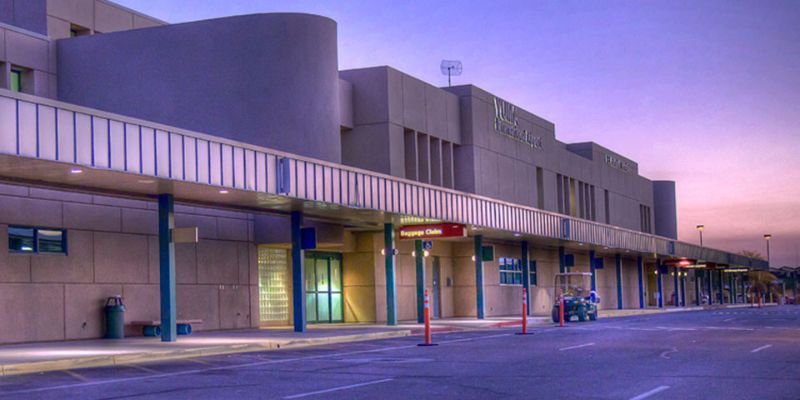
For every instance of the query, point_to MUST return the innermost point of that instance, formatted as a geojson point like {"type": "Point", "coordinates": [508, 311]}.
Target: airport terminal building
{"type": "Point", "coordinates": [318, 195]}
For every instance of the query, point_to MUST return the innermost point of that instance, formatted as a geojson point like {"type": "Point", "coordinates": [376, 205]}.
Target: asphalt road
{"type": "Point", "coordinates": [725, 354]}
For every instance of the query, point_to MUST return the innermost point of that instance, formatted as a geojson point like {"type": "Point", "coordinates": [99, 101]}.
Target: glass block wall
{"type": "Point", "coordinates": [273, 281]}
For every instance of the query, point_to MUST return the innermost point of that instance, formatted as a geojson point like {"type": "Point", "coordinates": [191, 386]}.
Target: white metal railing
{"type": "Point", "coordinates": [39, 128]}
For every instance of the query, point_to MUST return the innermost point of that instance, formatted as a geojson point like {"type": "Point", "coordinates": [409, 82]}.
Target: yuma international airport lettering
{"type": "Point", "coordinates": [505, 122]}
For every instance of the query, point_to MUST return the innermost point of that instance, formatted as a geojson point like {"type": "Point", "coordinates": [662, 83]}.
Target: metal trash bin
{"type": "Point", "coordinates": [115, 318]}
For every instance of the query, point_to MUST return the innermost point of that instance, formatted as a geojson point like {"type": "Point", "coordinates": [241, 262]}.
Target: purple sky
{"type": "Point", "coordinates": [706, 93]}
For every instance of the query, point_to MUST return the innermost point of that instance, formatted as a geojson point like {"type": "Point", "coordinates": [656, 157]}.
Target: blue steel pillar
{"type": "Point", "coordinates": [419, 259]}
{"type": "Point", "coordinates": [640, 270]}
{"type": "Point", "coordinates": [593, 270]}
{"type": "Point", "coordinates": [166, 260]}
{"type": "Point", "coordinates": [676, 286]}
{"type": "Point", "coordinates": [721, 288]}
{"type": "Point", "coordinates": [660, 285]}
{"type": "Point", "coordinates": [526, 273]}
{"type": "Point", "coordinates": [298, 274]}
{"type": "Point", "coordinates": [479, 275]}
{"type": "Point", "coordinates": [708, 275]}
{"type": "Point", "coordinates": [391, 294]}
{"type": "Point", "coordinates": [696, 288]}
{"type": "Point", "coordinates": [732, 284]}
{"type": "Point", "coordinates": [562, 260]}
{"type": "Point", "coordinates": [683, 289]}
{"type": "Point", "coordinates": [618, 262]}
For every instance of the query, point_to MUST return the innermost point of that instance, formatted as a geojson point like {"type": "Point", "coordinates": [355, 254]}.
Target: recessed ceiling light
{"type": "Point", "coordinates": [146, 181]}
{"type": "Point", "coordinates": [76, 171]}
{"type": "Point", "coordinates": [517, 234]}
{"type": "Point", "coordinates": [223, 191]}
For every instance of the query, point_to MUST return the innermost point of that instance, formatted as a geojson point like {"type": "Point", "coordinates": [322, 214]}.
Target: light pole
{"type": "Point", "coordinates": [767, 237]}
{"type": "Point", "coordinates": [700, 229]}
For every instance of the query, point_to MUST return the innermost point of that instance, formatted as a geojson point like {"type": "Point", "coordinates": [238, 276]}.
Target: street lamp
{"type": "Point", "coordinates": [767, 237]}
{"type": "Point", "coordinates": [700, 229]}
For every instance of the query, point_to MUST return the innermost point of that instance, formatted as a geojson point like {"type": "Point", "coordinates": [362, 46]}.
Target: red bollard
{"type": "Point", "coordinates": [427, 316]}
{"type": "Point", "coordinates": [561, 309]}
{"type": "Point", "coordinates": [524, 312]}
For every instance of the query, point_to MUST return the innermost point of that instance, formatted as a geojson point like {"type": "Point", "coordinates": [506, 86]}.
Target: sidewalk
{"type": "Point", "coordinates": [51, 356]}
{"type": "Point", "coordinates": [612, 313]}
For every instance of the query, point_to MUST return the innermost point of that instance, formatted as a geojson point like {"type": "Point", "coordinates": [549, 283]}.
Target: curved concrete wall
{"type": "Point", "coordinates": [265, 79]}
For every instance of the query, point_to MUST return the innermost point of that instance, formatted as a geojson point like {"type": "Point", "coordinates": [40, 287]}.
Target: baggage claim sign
{"type": "Point", "coordinates": [505, 122]}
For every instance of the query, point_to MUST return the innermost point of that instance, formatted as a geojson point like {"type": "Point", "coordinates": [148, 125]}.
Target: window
{"type": "Point", "coordinates": [22, 239]}
{"type": "Point", "coordinates": [77, 30]}
{"type": "Point", "coordinates": [539, 188]}
{"type": "Point", "coordinates": [644, 216]}
{"type": "Point", "coordinates": [511, 271]}
{"type": "Point", "coordinates": [16, 81]}
{"type": "Point", "coordinates": [560, 193]}
{"type": "Point", "coordinates": [608, 208]}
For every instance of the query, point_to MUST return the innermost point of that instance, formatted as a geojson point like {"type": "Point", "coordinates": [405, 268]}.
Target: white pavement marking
{"type": "Point", "coordinates": [357, 385]}
{"type": "Point", "coordinates": [650, 393]}
{"type": "Point", "coordinates": [764, 347]}
{"type": "Point", "coordinates": [237, 366]}
{"type": "Point", "coordinates": [728, 320]}
{"type": "Point", "coordinates": [665, 355]}
{"type": "Point", "coordinates": [576, 347]}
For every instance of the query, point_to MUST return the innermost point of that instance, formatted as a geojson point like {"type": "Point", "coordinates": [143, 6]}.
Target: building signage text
{"type": "Point", "coordinates": [432, 231]}
{"type": "Point", "coordinates": [619, 163]}
{"type": "Point", "coordinates": [506, 123]}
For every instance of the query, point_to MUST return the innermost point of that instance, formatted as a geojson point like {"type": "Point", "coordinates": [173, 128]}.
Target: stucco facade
{"type": "Point", "coordinates": [86, 148]}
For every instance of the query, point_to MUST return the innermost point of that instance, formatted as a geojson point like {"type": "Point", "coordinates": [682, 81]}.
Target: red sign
{"type": "Point", "coordinates": [432, 231]}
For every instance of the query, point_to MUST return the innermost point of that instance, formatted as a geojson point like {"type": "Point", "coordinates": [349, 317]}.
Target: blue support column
{"type": "Point", "coordinates": [640, 270]}
{"type": "Point", "coordinates": [419, 259]}
{"type": "Point", "coordinates": [298, 274]}
{"type": "Point", "coordinates": [676, 286]}
{"type": "Point", "coordinates": [721, 288]}
{"type": "Point", "coordinates": [618, 263]}
{"type": "Point", "coordinates": [708, 275]}
{"type": "Point", "coordinates": [391, 294]}
{"type": "Point", "coordinates": [526, 272]}
{"type": "Point", "coordinates": [479, 275]}
{"type": "Point", "coordinates": [696, 288]}
{"type": "Point", "coordinates": [732, 284]}
{"type": "Point", "coordinates": [166, 260]}
{"type": "Point", "coordinates": [683, 289]}
{"type": "Point", "coordinates": [562, 260]}
{"type": "Point", "coordinates": [660, 283]}
{"type": "Point", "coordinates": [593, 269]}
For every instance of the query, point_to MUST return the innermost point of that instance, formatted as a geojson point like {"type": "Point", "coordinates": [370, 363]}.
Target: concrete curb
{"type": "Point", "coordinates": [177, 354]}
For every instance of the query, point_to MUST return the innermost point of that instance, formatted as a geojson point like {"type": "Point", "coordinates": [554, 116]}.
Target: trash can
{"type": "Point", "coordinates": [115, 318]}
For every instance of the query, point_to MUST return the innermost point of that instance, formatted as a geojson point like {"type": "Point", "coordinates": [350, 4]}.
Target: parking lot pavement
{"type": "Point", "coordinates": [731, 354]}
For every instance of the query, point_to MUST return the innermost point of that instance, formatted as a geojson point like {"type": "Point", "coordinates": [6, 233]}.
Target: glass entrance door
{"type": "Point", "coordinates": [323, 287]}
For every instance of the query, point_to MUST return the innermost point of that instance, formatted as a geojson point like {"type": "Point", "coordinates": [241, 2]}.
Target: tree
{"type": "Point", "coordinates": [761, 281]}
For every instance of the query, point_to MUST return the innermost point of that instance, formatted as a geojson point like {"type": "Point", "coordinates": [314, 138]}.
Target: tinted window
{"type": "Point", "coordinates": [20, 239]}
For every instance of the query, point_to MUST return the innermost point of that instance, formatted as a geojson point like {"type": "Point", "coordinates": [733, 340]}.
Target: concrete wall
{"type": "Point", "coordinates": [265, 79]}
{"type": "Point", "coordinates": [96, 16]}
{"type": "Point", "coordinates": [26, 14]}
{"type": "Point", "coordinates": [113, 250]}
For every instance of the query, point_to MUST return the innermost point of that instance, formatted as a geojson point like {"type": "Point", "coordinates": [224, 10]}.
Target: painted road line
{"type": "Point", "coordinates": [650, 393]}
{"type": "Point", "coordinates": [576, 347]}
{"type": "Point", "coordinates": [764, 347]}
{"type": "Point", "coordinates": [237, 366]}
{"type": "Point", "coordinates": [75, 375]}
{"type": "Point", "coordinates": [728, 320]}
{"type": "Point", "coordinates": [665, 354]}
{"type": "Point", "coordinates": [336, 389]}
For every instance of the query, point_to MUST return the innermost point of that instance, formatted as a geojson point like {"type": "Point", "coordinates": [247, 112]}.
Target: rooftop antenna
{"type": "Point", "coordinates": [451, 68]}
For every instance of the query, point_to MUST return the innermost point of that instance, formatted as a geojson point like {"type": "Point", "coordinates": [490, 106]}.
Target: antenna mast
{"type": "Point", "coordinates": [451, 68]}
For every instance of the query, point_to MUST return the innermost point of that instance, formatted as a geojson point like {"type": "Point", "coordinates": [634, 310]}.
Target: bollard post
{"type": "Point", "coordinates": [524, 312]}
{"type": "Point", "coordinates": [561, 309]}
{"type": "Point", "coordinates": [427, 315]}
